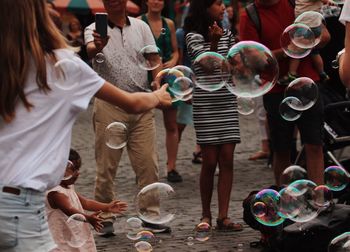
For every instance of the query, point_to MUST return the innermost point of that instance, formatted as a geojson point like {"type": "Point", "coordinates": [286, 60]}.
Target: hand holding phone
{"type": "Point", "coordinates": [101, 22]}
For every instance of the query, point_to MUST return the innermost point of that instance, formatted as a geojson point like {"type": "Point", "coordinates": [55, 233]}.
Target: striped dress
{"type": "Point", "coordinates": [215, 113]}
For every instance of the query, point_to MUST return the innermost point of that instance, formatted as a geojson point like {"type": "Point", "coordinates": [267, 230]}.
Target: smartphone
{"type": "Point", "coordinates": [101, 22]}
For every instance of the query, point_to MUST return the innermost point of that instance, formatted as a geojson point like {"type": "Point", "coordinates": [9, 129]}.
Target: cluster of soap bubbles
{"type": "Point", "coordinates": [300, 200]}
{"type": "Point", "coordinates": [300, 95]}
{"type": "Point", "coordinates": [181, 81]}
{"type": "Point", "coordinates": [154, 205]}
{"type": "Point", "coordinates": [299, 38]}
{"type": "Point", "coordinates": [250, 70]}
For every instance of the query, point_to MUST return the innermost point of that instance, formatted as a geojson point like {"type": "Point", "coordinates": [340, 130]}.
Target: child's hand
{"type": "Point", "coordinates": [117, 206]}
{"type": "Point", "coordinates": [95, 221]}
{"type": "Point", "coordinates": [215, 32]}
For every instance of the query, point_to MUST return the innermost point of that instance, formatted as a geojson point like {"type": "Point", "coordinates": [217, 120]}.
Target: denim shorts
{"type": "Point", "coordinates": [23, 222]}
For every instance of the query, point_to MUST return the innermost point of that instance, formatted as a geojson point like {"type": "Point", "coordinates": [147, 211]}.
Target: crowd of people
{"type": "Point", "coordinates": [37, 116]}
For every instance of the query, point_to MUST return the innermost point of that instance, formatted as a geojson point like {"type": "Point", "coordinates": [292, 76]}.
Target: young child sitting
{"type": "Point", "coordinates": [62, 202]}
{"type": "Point", "coordinates": [302, 6]}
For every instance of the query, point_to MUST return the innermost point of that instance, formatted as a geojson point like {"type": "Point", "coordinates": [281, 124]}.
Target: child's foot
{"type": "Point", "coordinates": [324, 77]}
{"type": "Point", "coordinates": [285, 80]}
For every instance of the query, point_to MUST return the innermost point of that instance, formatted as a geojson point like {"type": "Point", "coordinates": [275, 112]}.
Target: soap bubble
{"type": "Point", "coordinates": [212, 71]}
{"type": "Point", "coordinates": [154, 203]}
{"type": "Point", "coordinates": [78, 231]}
{"type": "Point", "coordinates": [336, 178]}
{"type": "Point", "coordinates": [286, 112]}
{"type": "Point", "coordinates": [270, 199]}
{"type": "Point", "coordinates": [292, 173]}
{"type": "Point", "coordinates": [116, 135]}
{"type": "Point", "coordinates": [149, 57]}
{"type": "Point", "coordinates": [314, 21]}
{"type": "Point", "coordinates": [253, 68]}
{"type": "Point", "coordinates": [203, 232]}
{"type": "Point", "coordinates": [305, 90]}
{"type": "Point", "coordinates": [297, 40]}
{"type": "Point", "coordinates": [245, 105]}
{"type": "Point", "coordinates": [340, 243]}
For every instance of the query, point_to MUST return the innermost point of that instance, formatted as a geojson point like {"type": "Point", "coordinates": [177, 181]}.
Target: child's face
{"type": "Point", "coordinates": [71, 174]}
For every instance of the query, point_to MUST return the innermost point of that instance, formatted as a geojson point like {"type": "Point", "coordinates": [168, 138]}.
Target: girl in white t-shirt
{"type": "Point", "coordinates": [37, 116]}
{"type": "Point", "coordinates": [63, 201]}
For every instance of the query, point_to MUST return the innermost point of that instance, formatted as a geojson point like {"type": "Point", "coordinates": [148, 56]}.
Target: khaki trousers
{"type": "Point", "coordinates": [141, 148]}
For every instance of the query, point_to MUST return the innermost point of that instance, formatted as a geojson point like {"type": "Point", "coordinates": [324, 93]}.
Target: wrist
{"type": "Point", "coordinates": [157, 98]}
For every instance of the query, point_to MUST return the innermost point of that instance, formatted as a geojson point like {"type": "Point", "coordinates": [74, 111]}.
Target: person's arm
{"type": "Point", "coordinates": [175, 55]}
{"type": "Point", "coordinates": [134, 102]}
{"type": "Point", "coordinates": [344, 60]}
{"type": "Point", "coordinates": [60, 201]}
{"type": "Point", "coordinates": [114, 206]}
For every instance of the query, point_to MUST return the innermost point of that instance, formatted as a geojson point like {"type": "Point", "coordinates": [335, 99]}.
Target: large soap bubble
{"type": "Point", "coordinates": [149, 57]}
{"type": "Point", "coordinates": [78, 231]}
{"type": "Point", "coordinates": [297, 40]}
{"type": "Point", "coordinates": [253, 67]}
{"type": "Point", "coordinates": [305, 90]}
{"type": "Point", "coordinates": [265, 207]}
{"type": "Point", "coordinates": [212, 71]}
{"type": "Point", "coordinates": [154, 203]}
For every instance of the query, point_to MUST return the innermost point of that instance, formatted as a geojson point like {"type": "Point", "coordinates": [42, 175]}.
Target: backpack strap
{"type": "Point", "coordinates": [254, 16]}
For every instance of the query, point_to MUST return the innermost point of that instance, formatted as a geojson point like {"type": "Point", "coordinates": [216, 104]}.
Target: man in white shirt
{"type": "Point", "coordinates": [126, 37]}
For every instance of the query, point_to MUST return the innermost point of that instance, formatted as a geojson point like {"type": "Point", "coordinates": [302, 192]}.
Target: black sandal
{"type": "Point", "coordinates": [197, 158]}
{"type": "Point", "coordinates": [229, 227]}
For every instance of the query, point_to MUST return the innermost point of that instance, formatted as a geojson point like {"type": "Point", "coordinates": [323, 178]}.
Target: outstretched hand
{"type": "Point", "coordinates": [95, 221]}
{"type": "Point", "coordinates": [117, 206]}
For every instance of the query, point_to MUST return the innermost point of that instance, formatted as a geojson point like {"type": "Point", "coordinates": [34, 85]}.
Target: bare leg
{"type": "Point", "coordinates": [225, 178]}
{"type": "Point", "coordinates": [206, 182]}
{"type": "Point", "coordinates": [281, 160]}
{"type": "Point", "coordinates": [315, 163]}
{"type": "Point", "coordinates": [318, 63]}
{"type": "Point", "coordinates": [171, 138]}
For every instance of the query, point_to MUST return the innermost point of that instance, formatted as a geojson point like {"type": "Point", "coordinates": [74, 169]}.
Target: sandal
{"type": "Point", "coordinates": [197, 158]}
{"type": "Point", "coordinates": [259, 155]}
{"type": "Point", "coordinates": [225, 225]}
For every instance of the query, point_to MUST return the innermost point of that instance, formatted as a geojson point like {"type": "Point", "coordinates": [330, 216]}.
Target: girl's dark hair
{"type": "Point", "coordinates": [198, 19]}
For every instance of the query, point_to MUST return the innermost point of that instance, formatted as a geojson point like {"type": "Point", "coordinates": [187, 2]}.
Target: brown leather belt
{"type": "Point", "coordinates": [12, 190]}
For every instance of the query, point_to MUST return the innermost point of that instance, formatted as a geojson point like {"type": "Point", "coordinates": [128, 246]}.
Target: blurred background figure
{"type": "Point", "coordinates": [163, 30]}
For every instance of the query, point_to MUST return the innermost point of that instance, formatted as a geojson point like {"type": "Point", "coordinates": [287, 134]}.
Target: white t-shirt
{"type": "Point", "coordinates": [34, 147]}
{"type": "Point", "coordinates": [345, 14]}
{"type": "Point", "coordinates": [121, 64]}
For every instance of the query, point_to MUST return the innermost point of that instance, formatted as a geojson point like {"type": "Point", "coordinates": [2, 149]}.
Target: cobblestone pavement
{"type": "Point", "coordinates": [249, 175]}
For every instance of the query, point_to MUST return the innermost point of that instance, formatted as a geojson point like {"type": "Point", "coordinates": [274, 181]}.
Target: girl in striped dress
{"type": "Point", "coordinates": [215, 113]}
